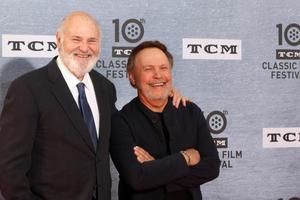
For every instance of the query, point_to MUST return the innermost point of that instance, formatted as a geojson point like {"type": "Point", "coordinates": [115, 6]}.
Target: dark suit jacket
{"type": "Point", "coordinates": [135, 125]}
{"type": "Point", "coordinates": [45, 148]}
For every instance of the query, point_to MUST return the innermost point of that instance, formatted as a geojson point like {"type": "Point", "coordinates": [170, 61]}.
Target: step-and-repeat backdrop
{"type": "Point", "coordinates": [238, 60]}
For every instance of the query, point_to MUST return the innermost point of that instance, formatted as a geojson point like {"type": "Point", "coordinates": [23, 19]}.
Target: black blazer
{"type": "Point", "coordinates": [135, 125]}
{"type": "Point", "coordinates": [45, 148]}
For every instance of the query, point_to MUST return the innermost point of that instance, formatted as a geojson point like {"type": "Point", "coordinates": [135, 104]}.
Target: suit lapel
{"type": "Point", "coordinates": [64, 97]}
{"type": "Point", "coordinates": [104, 113]}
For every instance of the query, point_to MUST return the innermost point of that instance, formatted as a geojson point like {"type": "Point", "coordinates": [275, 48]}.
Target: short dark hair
{"type": "Point", "coordinates": [145, 45]}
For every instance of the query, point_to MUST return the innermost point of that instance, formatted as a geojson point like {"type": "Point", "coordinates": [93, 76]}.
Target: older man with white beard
{"type": "Point", "coordinates": [55, 124]}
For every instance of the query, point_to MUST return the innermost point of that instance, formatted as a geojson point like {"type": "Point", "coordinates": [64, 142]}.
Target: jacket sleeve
{"type": "Point", "coordinates": [141, 176]}
{"type": "Point", "coordinates": [208, 167]}
{"type": "Point", "coordinates": [18, 123]}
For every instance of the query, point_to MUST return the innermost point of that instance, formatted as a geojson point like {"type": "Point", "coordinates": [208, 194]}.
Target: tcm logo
{"type": "Point", "coordinates": [28, 46]}
{"type": "Point", "coordinates": [289, 35]}
{"type": "Point", "coordinates": [213, 49]}
{"type": "Point", "coordinates": [120, 52]}
{"type": "Point", "coordinates": [281, 137]}
{"type": "Point", "coordinates": [132, 31]}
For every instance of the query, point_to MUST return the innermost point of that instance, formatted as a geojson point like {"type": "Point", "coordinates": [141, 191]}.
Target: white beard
{"type": "Point", "coordinates": [76, 68]}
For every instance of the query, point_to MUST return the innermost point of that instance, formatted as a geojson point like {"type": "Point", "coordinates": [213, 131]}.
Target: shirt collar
{"type": "Point", "coordinates": [149, 113]}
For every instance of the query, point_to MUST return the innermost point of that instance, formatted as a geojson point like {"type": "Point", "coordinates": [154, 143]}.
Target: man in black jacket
{"type": "Point", "coordinates": [160, 152]}
{"type": "Point", "coordinates": [46, 147]}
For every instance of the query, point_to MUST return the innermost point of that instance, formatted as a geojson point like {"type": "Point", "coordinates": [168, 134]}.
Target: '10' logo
{"type": "Point", "coordinates": [132, 30]}
{"type": "Point", "coordinates": [291, 34]}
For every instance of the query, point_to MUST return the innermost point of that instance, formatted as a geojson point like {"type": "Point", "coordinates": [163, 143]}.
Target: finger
{"type": "Point", "coordinates": [143, 158]}
{"type": "Point", "coordinates": [184, 100]}
{"type": "Point", "coordinates": [149, 157]}
{"type": "Point", "coordinates": [171, 93]}
{"type": "Point", "coordinates": [140, 152]}
{"type": "Point", "coordinates": [140, 160]}
{"type": "Point", "coordinates": [146, 156]}
{"type": "Point", "coordinates": [137, 153]}
{"type": "Point", "coordinates": [138, 148]}
{"type": "Point", "coordinates": [178, 101]}
{"type": "Point", "coordinates": [175, 99]}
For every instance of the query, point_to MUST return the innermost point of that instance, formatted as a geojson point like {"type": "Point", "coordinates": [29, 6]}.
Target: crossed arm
{"type": "Point", "coordinates": [191, 156]}
{"type": "Point", "coordinates": [180, 170]}
{"type": "Point", "coordinates": [140, 176]}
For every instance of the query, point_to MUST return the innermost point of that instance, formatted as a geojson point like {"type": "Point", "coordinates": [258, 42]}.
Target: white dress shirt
{"type": "Point", "coordinates": [72, 81]}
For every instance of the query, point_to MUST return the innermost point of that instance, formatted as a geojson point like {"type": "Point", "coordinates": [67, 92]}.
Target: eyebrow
{"type": "Point", "coordinates": [79, 37]}
{"type": "Point", "coordinates": [93, 39]}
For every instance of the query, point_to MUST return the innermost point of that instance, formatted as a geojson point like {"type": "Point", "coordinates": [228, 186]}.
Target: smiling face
{"type": "Point", "coordinates": [78, 43]}
{"type": "Point", "coordinates": [152, 76]}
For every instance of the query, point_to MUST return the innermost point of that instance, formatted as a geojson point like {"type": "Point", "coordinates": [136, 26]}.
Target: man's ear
{"type": "Point", "coordinates": [131, 78]}
{"type": "Point", "coordinates": [58, 40]}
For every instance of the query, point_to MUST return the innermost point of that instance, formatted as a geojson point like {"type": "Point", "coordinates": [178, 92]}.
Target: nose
{"type": "Point", "coordinates": [83, 46]}
{"type": "Point", "coordinates": [157, 73]}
